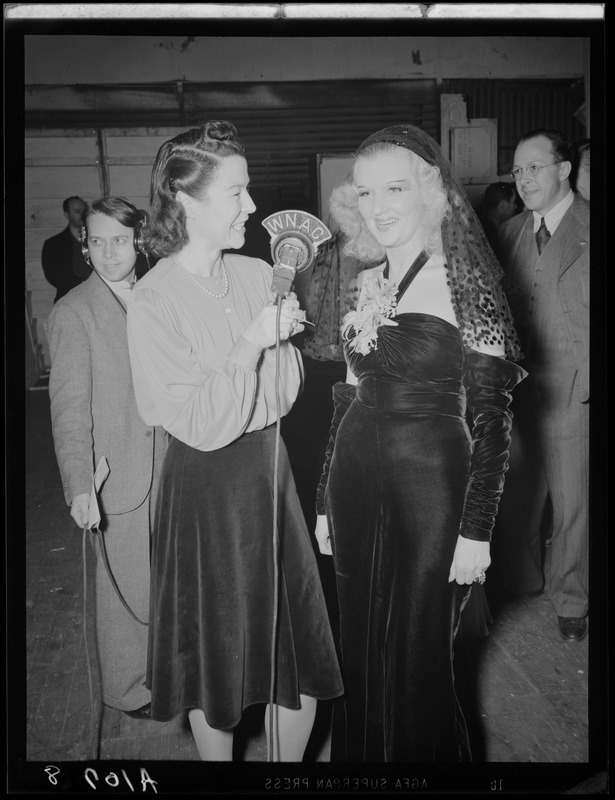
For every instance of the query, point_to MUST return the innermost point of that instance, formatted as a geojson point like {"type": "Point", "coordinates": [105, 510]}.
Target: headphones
{"type": "Point", "coordinates": [138, 239]}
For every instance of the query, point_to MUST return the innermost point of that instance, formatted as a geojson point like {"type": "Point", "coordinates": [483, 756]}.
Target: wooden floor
{"type": "Point", "coordinates": [524, 691]}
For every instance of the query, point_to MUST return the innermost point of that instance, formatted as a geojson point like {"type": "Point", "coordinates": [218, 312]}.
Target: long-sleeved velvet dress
{"type": "Point", "coordinates": [406, 478]}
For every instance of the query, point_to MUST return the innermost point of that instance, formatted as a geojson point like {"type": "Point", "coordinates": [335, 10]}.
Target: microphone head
{"type": "Point", "coordinates": [295, 237]}
{"type": "Point", "coordinates": [292, 250]}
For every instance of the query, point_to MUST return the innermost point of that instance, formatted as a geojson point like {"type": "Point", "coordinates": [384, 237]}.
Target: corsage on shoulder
{"type": "Point", "coordinates": [376, 307]}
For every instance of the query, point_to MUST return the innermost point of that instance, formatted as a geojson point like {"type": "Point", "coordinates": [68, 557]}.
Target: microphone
{"type": "Point", "coordinates": [295, 237]}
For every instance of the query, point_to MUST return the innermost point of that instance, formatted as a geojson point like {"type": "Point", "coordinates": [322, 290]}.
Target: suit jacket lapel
{"type": "Point", "coordinates": [524, 230]}
{"type": "Point", "coordinates": [572, 242]}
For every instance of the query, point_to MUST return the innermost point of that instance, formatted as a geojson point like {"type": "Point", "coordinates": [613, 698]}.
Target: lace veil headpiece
{"type": "Point", "coordinates": [474, 273]}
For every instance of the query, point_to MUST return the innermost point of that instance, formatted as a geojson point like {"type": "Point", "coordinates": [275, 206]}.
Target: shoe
{"type": "Point", "coordinates": [572, 629]}
{"type": "Point", "coordinates": [145, 712]}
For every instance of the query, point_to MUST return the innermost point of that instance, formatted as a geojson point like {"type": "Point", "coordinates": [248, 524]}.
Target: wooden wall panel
{"type": "Point", "coordinates": [62, 182]}
{"type": "Point", "coordinates": [129, 157]}
{"type": "Point", "coordinates": [132, 147]}
{"type": "Point", "coordinates": [59, 150]}
{"type": "Point", "coordinates": [283, 127]}
{"type": "Point", "coordinates": [34, 243]}
{"type": "Point", "coordinates": [58, 164]}
{"type": "Point", "coordinates": [45, 213]}
{"type": "Point", "coordinates": [130, 181]}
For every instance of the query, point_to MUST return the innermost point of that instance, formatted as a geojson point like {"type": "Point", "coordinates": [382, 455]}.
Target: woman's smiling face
{"type": "Point", "coordinates": [219, 217]}
{"type": "Point", "coordinates": [389, 198]}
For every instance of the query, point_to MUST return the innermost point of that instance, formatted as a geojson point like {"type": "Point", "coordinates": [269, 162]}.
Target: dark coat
{"type": "Point", "coordinates": [57, 260]}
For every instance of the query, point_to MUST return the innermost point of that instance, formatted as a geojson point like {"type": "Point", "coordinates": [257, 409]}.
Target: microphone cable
{"type": "Point", "coordinates": [95, 719]}
{"type": "Point", "coordinates": [286, 255]}
{"type": "Point", "coordinates": [275, 542]}
{"type": "Point", "coordinates": [283, 274]}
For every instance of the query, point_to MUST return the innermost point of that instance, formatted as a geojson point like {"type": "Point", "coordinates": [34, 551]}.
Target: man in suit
{"type": "Point", "coordinates": [63, 262]}
{"type": "Point", "coordinates": [499, 203]}
{"type": "Point", "coordinates": [94, 415]}
{"type": "Point", "coordinates": [545, 252]}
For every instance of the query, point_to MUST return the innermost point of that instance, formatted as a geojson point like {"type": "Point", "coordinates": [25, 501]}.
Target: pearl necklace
{"type": "Point", "coordinates": [217, 295]}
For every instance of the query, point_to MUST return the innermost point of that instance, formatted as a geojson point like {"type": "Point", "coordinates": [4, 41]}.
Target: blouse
{"type": "Point", "coordinates": [194, 373]}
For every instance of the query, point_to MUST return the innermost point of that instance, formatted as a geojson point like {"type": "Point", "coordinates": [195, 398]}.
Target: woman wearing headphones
{"type": "Point", "coordinates": [94, 417]}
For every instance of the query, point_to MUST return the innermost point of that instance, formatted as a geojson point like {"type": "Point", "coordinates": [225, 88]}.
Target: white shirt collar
{"type": "Point", "coordinates": [122, 289]}
{"type": "Point", "coordinates": [554, 216]}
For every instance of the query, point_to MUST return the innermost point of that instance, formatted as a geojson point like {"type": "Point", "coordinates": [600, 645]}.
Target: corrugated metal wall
{"type": "Point", "coordinates": [283, 125]}
{"type": "Point", "coordinates": [520, 107]}
{"type": "Point", "coordinates": [106, 140]}
{"type": "Point", "coordinates": [71, 150]}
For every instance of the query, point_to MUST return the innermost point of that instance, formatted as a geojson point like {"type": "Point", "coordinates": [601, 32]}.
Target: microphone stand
{"type": "Point", "coordinates": [295, 235]}
{"type": "Point", "coordinates": [283, 274]}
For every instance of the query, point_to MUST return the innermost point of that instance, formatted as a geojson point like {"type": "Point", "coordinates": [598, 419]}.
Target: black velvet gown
{"type": "Point", "coordinates": [395, 497]}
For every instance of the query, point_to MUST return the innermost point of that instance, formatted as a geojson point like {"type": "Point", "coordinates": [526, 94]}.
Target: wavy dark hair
{"type": "Point", "coordinates": [560, 143]}
{"type": "Point", "coordinates": [186, 163]}
{"type": "Point", "coordinates": [117, 208]}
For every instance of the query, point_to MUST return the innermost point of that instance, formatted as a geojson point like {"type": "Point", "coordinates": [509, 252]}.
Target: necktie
{"type": "Point", "coordinates": [542, 236]}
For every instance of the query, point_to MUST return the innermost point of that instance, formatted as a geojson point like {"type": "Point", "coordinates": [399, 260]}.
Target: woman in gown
{"type": "Point", "coordinates": [409, 491]}
{"type": "Point", "coordinates": [202, 334]}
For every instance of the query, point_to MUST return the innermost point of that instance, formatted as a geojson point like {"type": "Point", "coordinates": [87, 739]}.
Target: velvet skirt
{"type": "Point", "coordinates": [213, 611]}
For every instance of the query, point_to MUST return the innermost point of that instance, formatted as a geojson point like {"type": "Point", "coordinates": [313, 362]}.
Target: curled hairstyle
{"type": "Point", "coordinates": [186, 163]}
{"type": "Point", "coordinates": [117, 208]}
{"type": "Point", "coordinates": [344, 205]}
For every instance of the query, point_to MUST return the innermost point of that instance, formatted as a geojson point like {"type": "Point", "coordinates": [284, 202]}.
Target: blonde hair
{"type": "Point", "coordinates": [343, 204]}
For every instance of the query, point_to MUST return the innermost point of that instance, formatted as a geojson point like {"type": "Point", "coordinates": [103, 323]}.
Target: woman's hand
{"type": "Point", "coordinates": [322, 535]}
{"type": "Point", "coordinates": [80, 509]}
{"type": "Point", "coordinates": [262, 330]}
{"type": "Point", "coordinates": [470, 560]}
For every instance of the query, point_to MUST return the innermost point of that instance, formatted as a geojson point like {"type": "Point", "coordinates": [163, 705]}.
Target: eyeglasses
{"type": "Point", "coordinates": [533, 170]}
